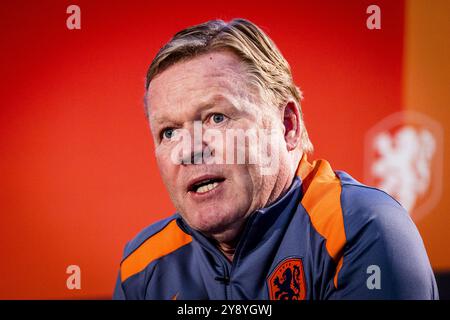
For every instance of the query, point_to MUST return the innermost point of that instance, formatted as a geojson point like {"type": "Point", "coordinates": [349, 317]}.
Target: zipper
{"type": "Point", "coordinates": [243, 239]}
{"type": "Point", "coordinates": [226, 278]}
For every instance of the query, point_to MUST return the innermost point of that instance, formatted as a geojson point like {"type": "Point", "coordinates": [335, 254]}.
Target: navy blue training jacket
{"type": "Point", "coordinates": [328, 237]}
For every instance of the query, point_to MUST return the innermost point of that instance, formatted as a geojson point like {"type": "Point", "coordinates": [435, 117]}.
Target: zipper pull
{"type": "Point", "coordinates": [225, 280]}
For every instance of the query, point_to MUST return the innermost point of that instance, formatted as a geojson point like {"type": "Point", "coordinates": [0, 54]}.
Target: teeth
{"type": "Point", "coordinates": [207, 187]}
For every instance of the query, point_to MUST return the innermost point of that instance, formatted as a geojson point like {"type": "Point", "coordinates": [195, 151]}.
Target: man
{"type": "Point", "coordinates": [255, 219]}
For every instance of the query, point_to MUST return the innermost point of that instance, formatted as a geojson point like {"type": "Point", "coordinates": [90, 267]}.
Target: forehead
{"type": "Point", "coordinates": [192, 81]}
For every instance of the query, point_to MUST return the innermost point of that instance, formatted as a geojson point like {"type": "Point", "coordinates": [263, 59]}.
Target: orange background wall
{"type": "Point", "coordinates": [426, 89]}
{"type": "Point", "coordinates": [78, 177]}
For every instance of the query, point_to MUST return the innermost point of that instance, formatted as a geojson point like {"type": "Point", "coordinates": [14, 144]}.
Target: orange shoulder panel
{"type": "Point", "coordinates": [167, 240]}
{"type": "Point", "coordinates": [322, 201]}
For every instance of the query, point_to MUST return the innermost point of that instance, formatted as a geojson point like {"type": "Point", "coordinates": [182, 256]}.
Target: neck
{"type": "Point", "coordinates": [226, 242]}
{"type": "Point", "coordinates": [228, 250]}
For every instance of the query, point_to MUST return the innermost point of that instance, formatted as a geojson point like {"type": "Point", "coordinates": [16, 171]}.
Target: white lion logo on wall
{"type": "Point", "coordinates": [404, 158]}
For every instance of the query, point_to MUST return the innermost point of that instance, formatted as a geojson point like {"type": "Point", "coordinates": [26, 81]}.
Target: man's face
{"type": "Point", "coordinates": [211, 91]}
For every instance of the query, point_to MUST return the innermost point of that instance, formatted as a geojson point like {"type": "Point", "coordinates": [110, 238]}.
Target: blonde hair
{"type": "Point", "coordinates": [266, 66]}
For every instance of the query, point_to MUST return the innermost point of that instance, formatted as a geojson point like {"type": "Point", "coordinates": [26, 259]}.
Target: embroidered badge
{"type": "Point", "coordinates": [287, 281]}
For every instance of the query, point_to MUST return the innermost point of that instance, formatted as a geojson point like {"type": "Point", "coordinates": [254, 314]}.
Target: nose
{"type": "Point", "coordinates": [197, 155]}
{"type": "Point", "coordinates": [193, 157]}
{"type": "Point", "coordinates": [196, 150]}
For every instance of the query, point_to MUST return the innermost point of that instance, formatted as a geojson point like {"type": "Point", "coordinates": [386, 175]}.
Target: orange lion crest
{"type": "Point", "coordinates": [287, 281]}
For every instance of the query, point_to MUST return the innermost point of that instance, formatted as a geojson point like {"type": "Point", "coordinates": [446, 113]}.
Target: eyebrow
{"type": "Point", "coordinates": [202, 106]}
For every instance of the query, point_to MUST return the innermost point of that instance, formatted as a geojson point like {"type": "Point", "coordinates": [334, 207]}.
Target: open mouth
{"type": "Point", "coordinates": [205, 185]}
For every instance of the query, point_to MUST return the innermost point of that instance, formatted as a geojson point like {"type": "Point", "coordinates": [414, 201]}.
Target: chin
{"type": "Point", "coordinates": [212, 220]}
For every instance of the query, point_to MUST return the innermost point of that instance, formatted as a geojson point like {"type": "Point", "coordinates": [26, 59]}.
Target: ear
{"type": "Point", "coordinates": [291, 122]}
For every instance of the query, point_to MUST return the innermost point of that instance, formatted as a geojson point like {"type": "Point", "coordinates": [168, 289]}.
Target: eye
{"type": "Point", "coordinates": [168, 133]}
{"type": "Point", "coordinates": [218, 117]}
